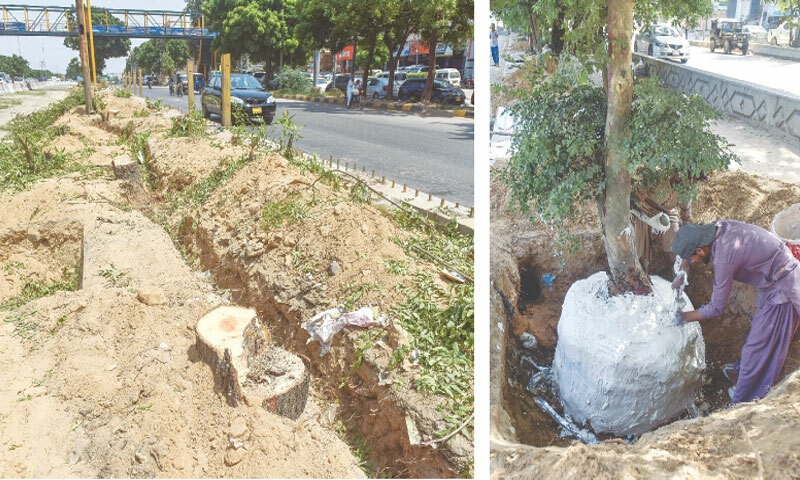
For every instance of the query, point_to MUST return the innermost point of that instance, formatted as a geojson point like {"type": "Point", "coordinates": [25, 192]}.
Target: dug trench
{"type": "Point", "coordinates": [746, 441]}
{"type": "Point", "coordinates": [102, 377]}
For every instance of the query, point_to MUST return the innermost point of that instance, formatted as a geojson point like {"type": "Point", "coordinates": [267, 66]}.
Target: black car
{"type": "Point", "coordinates": [443, 92]}
{"type": "Point", "coordinates": [248, 98]}
{"type": "Point", "coordinates": [340, 82]}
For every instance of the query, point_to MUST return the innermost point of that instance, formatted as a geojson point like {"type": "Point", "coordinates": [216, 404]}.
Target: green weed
{"type": "Point", "coordinates": [122, 93]}
{"type": "Point", "coordinates": [191, 125]}
{"type": "Point", "coordinates": [33, 288]}
{"type": "Point", "coordinates": [24, 327]}
{"type": "Point", "coordinates": [115, 277]}
{"type": "Point", "coordinates": [287, 211]}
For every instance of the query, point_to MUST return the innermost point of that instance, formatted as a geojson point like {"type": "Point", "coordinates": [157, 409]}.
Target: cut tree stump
{"type": "Point", "coordinates": [249, 368]}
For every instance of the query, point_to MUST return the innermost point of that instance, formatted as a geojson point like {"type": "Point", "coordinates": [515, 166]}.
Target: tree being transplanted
{"type": "Point", "coordinates": [578, 141]}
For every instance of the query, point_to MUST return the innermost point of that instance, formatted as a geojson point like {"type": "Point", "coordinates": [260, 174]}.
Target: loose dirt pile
{"type": "Point", "coordinates": [105, 380]}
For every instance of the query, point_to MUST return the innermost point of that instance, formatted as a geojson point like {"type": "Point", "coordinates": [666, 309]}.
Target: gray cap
{"type": "Point", "coordinates": [691, 237]}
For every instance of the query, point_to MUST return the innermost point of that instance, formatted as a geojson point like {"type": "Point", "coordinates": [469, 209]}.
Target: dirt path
{"type": "Point", "coordinates": [105, 380]}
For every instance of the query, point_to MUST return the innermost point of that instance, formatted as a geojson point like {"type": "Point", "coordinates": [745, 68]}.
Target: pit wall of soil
{"type": "Point", "coordinates": [524, 441]}
{"type": "Point", "coordinates": [290, 273]}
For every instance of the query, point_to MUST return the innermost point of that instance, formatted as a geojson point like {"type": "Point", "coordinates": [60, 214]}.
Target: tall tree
{"type": "Point", "coordinates": [159, 55]}
{"type": "Point", "coordinates": [104, 47]}
{"type": "Point", "coordinates": [600, 35]}
{"type": "Point", "coordinates": [259, 28]}
{"type": "Point", "coordinates": [445, 21]}
{"type": "Point", "coordinates": [14, 65]}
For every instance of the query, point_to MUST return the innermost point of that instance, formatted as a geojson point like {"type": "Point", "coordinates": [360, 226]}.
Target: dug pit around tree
{"type": "Point", "coordinates": [532, 375]}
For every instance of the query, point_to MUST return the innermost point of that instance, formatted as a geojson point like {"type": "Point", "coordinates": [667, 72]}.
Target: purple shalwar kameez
{"type": "Point", "coordinates": [752, 255]}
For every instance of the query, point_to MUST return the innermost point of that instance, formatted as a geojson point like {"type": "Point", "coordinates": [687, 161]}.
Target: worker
{"type": "Point", "coordinates": [751, 255]}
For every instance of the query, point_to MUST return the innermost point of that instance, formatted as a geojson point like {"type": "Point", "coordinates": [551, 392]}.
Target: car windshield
{"type": "Point", "coordinates": [441, 84]}
{"type": "Point", "coordinates": [244, 82]}
{"type": "Point", "coordinates": [665, 31]}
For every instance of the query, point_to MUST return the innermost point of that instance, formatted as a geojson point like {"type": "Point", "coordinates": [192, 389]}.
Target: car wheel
{"type": "Point", "coordinates": [684, 60]}
{"type": "Point", "coordinates": [712, 45]}
{"type": "Point", "coordinates": [206, 113]}
{"type": "Point", "coordinates": [650, 50]}
{"type": "Point", "coordinates": [413, 98]}
{"type": "Point", "coordinates": [375, 96]}
{"type": "Point", "coordinates": [744, 48]}
{"type": "Point", "coordinates": [268, 119]}
{"type": "Point", "coordinates": [726, 47]}
{"type": "Point", "coordinates": [773, 41]}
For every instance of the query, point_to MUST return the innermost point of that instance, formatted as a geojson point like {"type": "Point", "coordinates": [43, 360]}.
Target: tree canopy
{"type": "Point", "coordinates": [259, 28]}
{"type": "Point", "coordinates": [104, 47]}
{"type": "Point", "coordinates": [600, 146]}
{"type": "Point", "coordinates": [162, 56]}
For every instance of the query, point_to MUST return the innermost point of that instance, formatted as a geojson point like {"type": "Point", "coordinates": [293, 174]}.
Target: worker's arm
{"type": "Point", "coordinates": [723, 282]}
{"type": "Point", "coordinates": [692, 316]}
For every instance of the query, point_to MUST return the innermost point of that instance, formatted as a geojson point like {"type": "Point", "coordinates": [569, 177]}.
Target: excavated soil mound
{"type": "Point", "coordinates": [104, 379]}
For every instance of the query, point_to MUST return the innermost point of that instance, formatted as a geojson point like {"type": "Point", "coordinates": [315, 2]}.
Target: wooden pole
{"type": "Point", "coordinates": [87, 85]}
{"type": "Point", "coordinates": [225, 65]}
{"type": "Point", "coordinates": [190, 80]}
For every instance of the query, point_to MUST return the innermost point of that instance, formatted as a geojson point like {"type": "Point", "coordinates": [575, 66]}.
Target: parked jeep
{"type": "Point", "coordinates": [727, 33]}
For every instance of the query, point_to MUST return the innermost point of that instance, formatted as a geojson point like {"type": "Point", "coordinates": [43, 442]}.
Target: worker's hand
{"type": "Point", "coordinates": [691, 316]}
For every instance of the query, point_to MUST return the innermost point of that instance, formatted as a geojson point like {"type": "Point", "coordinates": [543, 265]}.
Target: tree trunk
{"type": "Point", "coordinates": [432, 41]}
{"type": "Point", "coordinates": [247, 367]}
{"type": "Point", "coordinates": [627, 275]}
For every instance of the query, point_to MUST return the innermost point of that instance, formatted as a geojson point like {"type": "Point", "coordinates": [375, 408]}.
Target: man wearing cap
{"type": "Point", "coordinates": [751, 255]}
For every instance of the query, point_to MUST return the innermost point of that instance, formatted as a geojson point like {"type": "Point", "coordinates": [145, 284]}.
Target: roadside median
{"type": "Point", "coordinates": [418, 108]}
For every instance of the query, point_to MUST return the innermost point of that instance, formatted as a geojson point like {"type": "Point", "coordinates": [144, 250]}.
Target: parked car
{"type": "Point", "coordinates": [449, 75]}
{"type": "Point", "coordinates": [443, 92]}
{"type": "Point", "coordinates": [661, 41]}
{"type": "Point", "coordinates": [727, 34]}
{"type": "Point", "coordinates": [757, 33]}
{"type": "Point", "coordinates": [340, 82]}
{"type": "Point", "coordinates": [248, 98]}
{"type": "Point", "coordinates": [779, 35]}
{"type": "Point", "coordinates": [377, 87]}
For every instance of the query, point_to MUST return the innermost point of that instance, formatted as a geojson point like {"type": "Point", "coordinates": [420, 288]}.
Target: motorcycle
{"type": "Point", "coordinates": [149, 84]}
{"type": "Point", "coordinates": [172, 88]}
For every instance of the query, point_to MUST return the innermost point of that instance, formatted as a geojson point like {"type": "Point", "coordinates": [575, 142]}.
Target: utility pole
{"type": "Point", "coordinates": [87, 83]}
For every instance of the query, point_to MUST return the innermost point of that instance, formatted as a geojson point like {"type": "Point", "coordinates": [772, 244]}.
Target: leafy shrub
{"type": "Point", "coordinates": [191, 125]}
{"type": "Point", "coordinates": [292, 80]}
{"type": "Point", "coordinates": [558, 154]}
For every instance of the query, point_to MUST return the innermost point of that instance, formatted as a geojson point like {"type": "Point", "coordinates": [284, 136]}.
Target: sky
{"type": "Point", "coordinates": [51, 54]}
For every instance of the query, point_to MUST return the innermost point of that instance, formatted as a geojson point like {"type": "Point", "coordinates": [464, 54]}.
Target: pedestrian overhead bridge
{"type": "Point", "coordinates": [22, 20]}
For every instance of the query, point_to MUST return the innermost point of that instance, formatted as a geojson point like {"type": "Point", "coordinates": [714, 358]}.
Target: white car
{"type": "Point", "coordinates": [779, 35]}
{"type": "Point", "coordinates": [757, 33]}
{"type": "Point", "coordinates": [662, 41]}
{"type": "Point", "coordinates": [377, 87]}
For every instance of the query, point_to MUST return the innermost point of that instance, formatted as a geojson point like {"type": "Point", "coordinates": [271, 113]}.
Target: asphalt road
{"type": "Point", "coordinates": [434, 155]}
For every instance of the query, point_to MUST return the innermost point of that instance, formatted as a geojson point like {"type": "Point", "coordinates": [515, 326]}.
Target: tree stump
{"type": "Point", "coordinates": [247, 367]}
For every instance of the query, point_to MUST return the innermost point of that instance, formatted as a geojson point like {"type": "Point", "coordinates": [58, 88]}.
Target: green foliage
{"type": "Point", "coordinates": [558, 154]}
{"type": "Point", "coordinates": [286, 211]}
{"type": "Point", "coordinates": [671, 140]}
{"type": "Point", "coordinates": [104, 47]}
{"type": "Point", "coordinates": [290, 133]}
{"type": "Point", "coordinates": [27, 157]}
{"type": "Point", "coordinates": [122, 93]}
{"type": "Point", "coordinates": [190, 125]}
{"type": "Point", "coordinates": [35, 287]}
{"type": "Point", "coordinates": [291, 80]}
{"type": "Point", "coordinates": [439, 318]}
{"type": "Point", "coordinates": [202, 189]}
{"type": "Point", "coordinates": [159, 55]}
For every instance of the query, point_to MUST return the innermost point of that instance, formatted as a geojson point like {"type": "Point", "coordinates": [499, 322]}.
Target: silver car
{"type": "Point", "coordinates": [662, 41]}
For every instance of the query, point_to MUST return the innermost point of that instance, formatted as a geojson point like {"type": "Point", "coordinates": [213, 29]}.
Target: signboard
{"type": "Point", "coordinates": [345, 54]}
